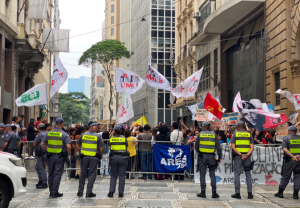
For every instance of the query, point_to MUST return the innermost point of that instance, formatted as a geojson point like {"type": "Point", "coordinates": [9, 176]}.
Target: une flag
{"type": "Point", "coordinates": [293, 98]}
{"type": "Point", "coordinates": [262, 120]}
{"type": "Point", "coordinates": [213, 106]}
{"type": "Point", "coordinates": [156, 79]}
{"type": "Point", "coordinates": [34, 96]}
{"type": "Point", "coordinates": [125, 109]}
{"type": "Point", "coordinates": [59, 77]}
{"type": "Point", "coordinates": [128, 80]}
{"type": "Point", "coordinates": [188, 87]}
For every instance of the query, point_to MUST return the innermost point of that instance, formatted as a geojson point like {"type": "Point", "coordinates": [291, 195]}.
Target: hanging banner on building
{"type": "Point", "coordinates": [35, 96]}
{"type": "Point", "coordinates": [125, 109]}
{"type": "Point", "coordinates": [266, 170]}
{"type": "Point", "coordinates": [59, 77]}
{"type": "Point", "coordinates": [221, 125]}
{"type": "Point", "coordinates": [293, 118]}
{"type": "Point", "coordinates": [156, 79]}
{"type": "Point", "coordinates": [171, 158]}
{"type": "Point", "coordinates": [56, 40]}
{"type": "Point", "coordinates": [128, 80]}
{"type": "Point", "coordinates": [281, 132]}
{"type": "Point", "coordinates": [201, 115]}
{"type": "Point", "coordinates": [37, 9]}
{"type": "Point", "coordinates": [231, 118]}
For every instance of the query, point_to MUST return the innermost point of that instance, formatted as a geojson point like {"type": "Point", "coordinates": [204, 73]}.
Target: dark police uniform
{"type": "Point", "coordinates": [118, 163]}
{"type": "Point", "coordinates": [56, 141]}
{"type": "Point", "coordinates": [40, 161]}
{"type": "Point", "coordinates": [206, 144]}
{"type": "Point", "coordinates": [90, 143]}
{"type": "Point", "coordinates": [12, 142]}
{"type": "Point", "coordinates": [242, 140]}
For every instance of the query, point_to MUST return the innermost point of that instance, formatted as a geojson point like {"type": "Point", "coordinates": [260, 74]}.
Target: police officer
{"type": "Point", "coordinates": [11, 141]}
{"type": "Point", "coordinates": [118, 161]}
{"type": "Point", "coordinates": [291, 162]}
{"type": "Point", "coordinates": [2, 135]}
{"type": "Point", "coordinates": [91, 149]}
{"type": "Point", "coordinates": [41, 157]}
{"type": "Point", "coordinates": [242, 145]}
{"type": "Point", "coordinates": [58, 146]}
{"type": "Point", "coordinates": [206, 144]}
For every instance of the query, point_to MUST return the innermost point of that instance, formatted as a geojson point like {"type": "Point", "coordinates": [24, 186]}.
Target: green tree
{"type": "Point", "coordinates": [105, 53]}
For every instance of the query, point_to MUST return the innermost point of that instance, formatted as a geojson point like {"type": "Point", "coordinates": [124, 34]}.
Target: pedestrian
{"type": "Point", "coordinates": [41, 157]}
{"type": "Point", "coordinates": [2, 135]}
{"type": "Point", "coordinates": [90, 146]}
{"type": "Point", "coordinates": [58, 146]}
{"type": "Point", "coordinates": [118, 161]}
{"type": "Point", "coordinates": [104, 167]}
{"type": "Point", "coordinates": [78, 133]}
{"type": "Point", "coordinates": [12, 142]}
{"type": "Point", "coordinates": [242, 145]}
{"type": "Point", "coordinates": [291, 162]}
{"type": "Point", "coordinates": [31, 132]}
{"type": "Point", "coordinates": [131, 149]}
{"type": "Point", "coordinates": [206, 144]}
{"type": "Point", "coordinates": [176, 135]}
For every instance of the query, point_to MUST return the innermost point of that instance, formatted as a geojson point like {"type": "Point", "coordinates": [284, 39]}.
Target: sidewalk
{"type": "Point", "coordinates": [152, 193]}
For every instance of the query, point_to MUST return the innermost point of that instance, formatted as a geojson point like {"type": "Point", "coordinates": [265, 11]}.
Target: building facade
{"type": "Point", "coordinates": [81, 84]}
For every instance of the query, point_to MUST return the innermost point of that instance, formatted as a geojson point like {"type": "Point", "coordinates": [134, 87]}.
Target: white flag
{"type": "Point", "coordinates": [59, 77]}
{"type": "Point", "coordinates": [128, 80]}
{"type": "Point", "coordinates": [237, 103]}
{"type": "Point", "coordinates": [188, 87]}
{"type": "Point", "coordinates": [156, 79]}
{"type": "Point", "coordinates": [35, 96]}
{"type": "Point", "coordinates": [125, 109]}
{"type": "Point", "coordinates": [294, 98]}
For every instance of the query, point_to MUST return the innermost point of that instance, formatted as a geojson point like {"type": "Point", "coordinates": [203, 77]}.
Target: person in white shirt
{"type": "Point", "coordinates": [176, 135]}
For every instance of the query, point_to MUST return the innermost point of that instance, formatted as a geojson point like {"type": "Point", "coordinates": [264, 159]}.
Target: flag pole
{"type": "Point", "coordinates": [144, 104]}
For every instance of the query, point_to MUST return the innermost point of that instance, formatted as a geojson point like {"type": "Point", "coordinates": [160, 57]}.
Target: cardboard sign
{"type": "Point", "coordinates": [293, 118]}
{"type": "Point", "coordinates": [201, 115]}
{"type": "Point", "coordinates": [231, 118]}
{"type": "Point", "coordinates": [281, 132]}
{"type": "Point", "coordinates": [218, 124]}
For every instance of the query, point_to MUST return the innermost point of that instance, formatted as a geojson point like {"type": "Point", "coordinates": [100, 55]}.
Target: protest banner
{"type": "Point", "coordinates": [281, 132]}
{"type": "Point", "coordinates": [201, 115]}
{"type": "Point", "coordinates": [266, 170]}
{"type": "Point", "coordinates": [231, 118]}
{"type": "Point", "coordinates": [218, 124]}
{"type": "Point", "coordinates": [293, 118]}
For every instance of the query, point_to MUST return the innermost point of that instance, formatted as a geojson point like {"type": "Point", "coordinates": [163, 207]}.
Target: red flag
{"type": "Point", "coordinates": [212, 105]}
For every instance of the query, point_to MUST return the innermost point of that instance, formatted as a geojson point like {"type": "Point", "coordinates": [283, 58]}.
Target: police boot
{"type": "Point", "coordinates": [39, 183]}
{"type": "Point", "coordinates": [79, 194]}
{"type": "Point", "coordinates": [236, 196]}
{"type": "Point", "coordinates": [279, 193]}
{"type": "Point", "coordinates": [110, 194]}
{"type": "Point", "coordinates": [215, 195]}
{"type": "Point", "coordinates": [121, 195]}
{"type": "Point", "coordinates": [42, 186]}
{"type": "Point", "coordinates": [295, 195]}
{"type": "Point", "coordinates": [90, 195]}
{"type": "Point", "coordinates": [202, 194]}
{"type": "Point", "coordinates": [250, 196]}
{"type": "Point", "coordinates": [57, 195]}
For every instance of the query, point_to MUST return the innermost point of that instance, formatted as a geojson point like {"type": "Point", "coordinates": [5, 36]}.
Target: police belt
{"type": "Point", "coordinates": [96, 156]}
{"type": "Point", "coordinates": [112, 153]}
{"type": "Point", "coordinates": [62, 154]}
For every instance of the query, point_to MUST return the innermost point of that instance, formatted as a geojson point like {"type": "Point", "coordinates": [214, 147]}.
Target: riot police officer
{"type": "Point", "coordinates": [41, 157]}
{"type": "Point", "coordinates": [206, 144]}
{"type": "Point", "coordinates": [58, 146]}
{"type": "Point", "coordinates": [11, 141]}
{"type": "Point", "coordinates": [118, 161]}
{"type": "Point", "coordinates": [91, 149]}
{"type": "Point", "coordinates": [291, 162]}
{"type": "Point", "coordinates": [2, 135]}
{"type": "Point", "coordinates": [242, 145]}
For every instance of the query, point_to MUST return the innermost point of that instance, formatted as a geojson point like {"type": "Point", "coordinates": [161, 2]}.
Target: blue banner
{"type": "Point", "coordinates": [171, 158]}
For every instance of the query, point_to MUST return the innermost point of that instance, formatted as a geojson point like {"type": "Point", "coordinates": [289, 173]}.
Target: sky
{"type": "Point", "coordinates": [80, 17]}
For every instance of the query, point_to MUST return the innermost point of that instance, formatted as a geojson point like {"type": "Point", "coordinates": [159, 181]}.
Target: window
{"type": "Point", "coordinates": [277, 86]}
{"type": "Point", "coordinates": [112, 20]}
{"type": "Point", "coordinates": [191, 29]}
{"type": "Point", "coordinates": [112, 8]}
{"type": "Point", "coordinates": [185, 73]}
{"type": "Point", "coordinates": [154, 12]}
{"type": "Point", "coordinates": [160, 100]}
{"type": "Point", "coordinates": [153, 33]}
{"type": "Point", "coordinates": [216, 67]}
{"type": "Point", "coordinates": [112, 31]}
{"type": "Point", "coordinates": [160, 12]}
{"type": "Point", "coordinates": [205, 79]}
{"type": "Point", "coordinates": [205, 11]}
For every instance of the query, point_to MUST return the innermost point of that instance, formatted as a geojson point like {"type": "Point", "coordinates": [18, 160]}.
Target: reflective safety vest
{"type": "Point", "coordinates": [207, 143]}
{"type": "Point", "coordinates": [295, 145]}
{"type": "Point", "coordinates": [89, 145]}
{"type": "Point", "coordinates": [118, 144]}
{"type": "Point", "coordinates": [55, 141]}
{"type": "Point", "coordinates": [242, 142]}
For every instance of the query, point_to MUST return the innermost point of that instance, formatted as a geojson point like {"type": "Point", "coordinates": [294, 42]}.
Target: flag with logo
{"type": "Point", "coordinates": [213, 106]}
{"type": "Point", "coordinates": [171, 158]}
{"type": "Point", "coordinates": [125, 109]}
{"type": "Point", "coordinates": [188, 87]}
{"type": "Point", "coordinates": [35, 96]}
{"type": "Point", "coordinates": [156, 79]}
{"type": "Point", "coordinates": [59, 77]}
{"type": "Point", "coordinates": [293, 98]}
{"type": "Point", "coordinates": [128, 80]}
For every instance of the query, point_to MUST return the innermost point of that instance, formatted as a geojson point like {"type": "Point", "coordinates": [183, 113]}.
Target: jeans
{"type": "Point", "coordinates": [146, 161]}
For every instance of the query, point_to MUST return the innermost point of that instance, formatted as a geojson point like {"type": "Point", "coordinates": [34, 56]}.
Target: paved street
{"type": "Point", "coordinates": [139, 193]}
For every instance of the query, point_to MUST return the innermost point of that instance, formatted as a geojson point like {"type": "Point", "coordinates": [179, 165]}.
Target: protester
{"type": "Point", "coordinates": [31, 133]}
{"type": "Point", "coordinates": [176, 135]}
{"type": "Point", "coordinates": [104, 171]}
{"type": "Point", "coordinates": [78, 133]}
{"type": "Point", "coordinates": [163, 135]}
{"type": "Point", "coordinates": [132, 152]}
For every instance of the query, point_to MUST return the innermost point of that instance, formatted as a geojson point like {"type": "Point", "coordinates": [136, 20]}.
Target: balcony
{"type": "Point", "coordinates": [183, 54]}
{"type": "Point", "coordinates": [217, 20]}
{"type": "Point", "coordinates": [178, 58]}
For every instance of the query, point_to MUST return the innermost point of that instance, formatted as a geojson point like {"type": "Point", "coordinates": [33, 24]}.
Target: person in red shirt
{"type": "Point", "coordinates": [41, 120]}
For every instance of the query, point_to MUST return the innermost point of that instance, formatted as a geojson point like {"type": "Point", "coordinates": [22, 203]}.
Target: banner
{"type": "Point", "coordinates": [128, 80]}
{"type": "Point", "coordinates": [293, 118]}
{"type": "Point", "coordinates": [125, 109]}
{"type": "Point", "coordinates": [231, 118]}
{"type": "Point", "coordinates": [295, 98]}
{"type": "Point", "coordinates": [201, 115]}
{"type": "Point", "coordinates": [237, 103]}
{"type": "Point", "coordinates": [171, 158]}
{"type": "Point", "coordinates": [156, 79]}
{"type": "Point", "coordinates": [267, 167]}
{"type": "Point", "coordinates": [141, 121]}
{"type": "Point", "coordinates": [188, 87]}
{"type": "Point", "coordinates": [271, 108]}
{"type": "Point", "coordinates": [34, 96]}
{"type": "Point", "coordinates": [37, 9]}
{"type": "Point", "coordinates": [59, 77]}
{"type": "Point", "coordinates": [221, 125]}
{"type": "Point", "coordinates": [281, 132]}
